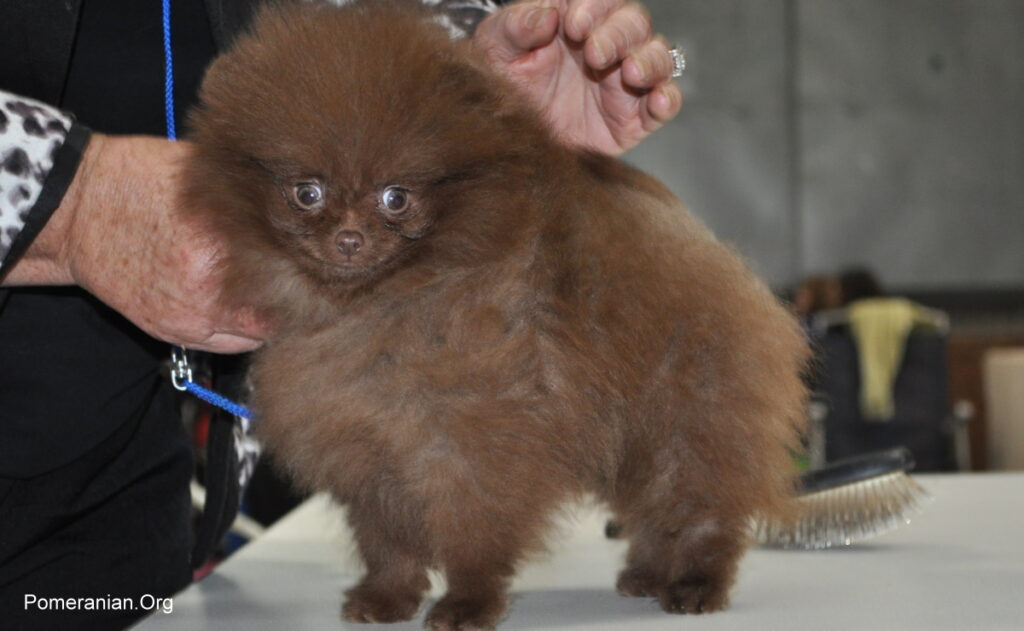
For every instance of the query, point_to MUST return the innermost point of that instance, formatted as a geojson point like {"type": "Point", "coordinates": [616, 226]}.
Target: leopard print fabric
{"type": "Point", "coordinates": [30, 134]}
{"type": "Point", "coordinates": [459, 17]}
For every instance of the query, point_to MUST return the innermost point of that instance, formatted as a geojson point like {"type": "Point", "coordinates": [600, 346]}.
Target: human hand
{"type": "Point", "coordinates": [593, 66]}
{"type": "Point", "coordinates": [119, 234]}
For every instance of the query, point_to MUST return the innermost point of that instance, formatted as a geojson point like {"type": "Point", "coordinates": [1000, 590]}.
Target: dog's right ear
{"type": "Point", "coordinates": [477, 89]}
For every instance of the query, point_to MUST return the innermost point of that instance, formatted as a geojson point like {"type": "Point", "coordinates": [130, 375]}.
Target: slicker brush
{"type": "Point", "coordinates": [842, 503]}
{"type": "Point", "coordinates": [848, 501]}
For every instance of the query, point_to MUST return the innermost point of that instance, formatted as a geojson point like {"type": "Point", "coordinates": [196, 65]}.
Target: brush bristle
{"type": "Point", "coordinates": [847, 514]}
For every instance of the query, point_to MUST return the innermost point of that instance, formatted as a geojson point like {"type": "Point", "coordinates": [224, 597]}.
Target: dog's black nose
{"type": "Point", "coordinates": [349, 242]}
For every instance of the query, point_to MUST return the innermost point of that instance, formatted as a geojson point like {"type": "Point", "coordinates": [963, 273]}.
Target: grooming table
{"type": "Point", "coordinates": [958, 565]}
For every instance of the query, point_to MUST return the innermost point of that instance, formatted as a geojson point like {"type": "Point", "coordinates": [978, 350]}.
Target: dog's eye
{"type": "Point", "coordinates": [394, 200]}
{"type": "Point", "coordinates": [308, 195]}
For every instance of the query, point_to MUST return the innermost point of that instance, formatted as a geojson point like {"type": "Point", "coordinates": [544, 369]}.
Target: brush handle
{"type": "Point", "coordinates": [856, 469]}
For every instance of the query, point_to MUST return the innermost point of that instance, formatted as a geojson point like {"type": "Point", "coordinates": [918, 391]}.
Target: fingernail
{"type": "Point", "coordinates": [583, 23]}
{"type": "Point", "coordinates": [534, 17]}
{"type": "Point", "coordinates": [670, 97]}
{"type": "Point", "coordinates": [642, 68]}
{"type": "Point", "coordinates": [601, 50]}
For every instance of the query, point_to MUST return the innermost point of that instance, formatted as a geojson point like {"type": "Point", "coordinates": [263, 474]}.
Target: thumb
{"type": "Point", "coordinates": [226, 344]}
{"type": "Point", "coordinates": [510, 33]}
{"type": "Point", "coordinates": [247, 322]}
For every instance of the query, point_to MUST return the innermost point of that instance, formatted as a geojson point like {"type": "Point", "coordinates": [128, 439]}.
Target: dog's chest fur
{"type": "Point", "coordinates": [410, 380]}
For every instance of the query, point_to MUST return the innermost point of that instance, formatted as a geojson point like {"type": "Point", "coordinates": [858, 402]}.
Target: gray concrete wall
{"type": "Point", "coordinates": [818, 134]}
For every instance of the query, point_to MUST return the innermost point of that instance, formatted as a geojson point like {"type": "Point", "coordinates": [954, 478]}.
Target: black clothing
{"type": "Point", "coordinates": [114, 522]}
{"type": "Point", "coordinates": [37, 38]}
{"type": "Point", "coordinates": [94, 461]}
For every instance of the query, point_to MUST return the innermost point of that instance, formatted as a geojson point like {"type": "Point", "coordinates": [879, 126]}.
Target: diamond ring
{"type": "Point", "coordinates": [678, 61]}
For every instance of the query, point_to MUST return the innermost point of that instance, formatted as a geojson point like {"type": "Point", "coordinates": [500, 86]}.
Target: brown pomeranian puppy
{"type": "Point", "coordinates": [479, 324]}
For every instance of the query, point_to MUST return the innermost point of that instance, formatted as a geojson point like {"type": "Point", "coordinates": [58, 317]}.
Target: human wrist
{"type": "Point", "coordinates": [85, 209]}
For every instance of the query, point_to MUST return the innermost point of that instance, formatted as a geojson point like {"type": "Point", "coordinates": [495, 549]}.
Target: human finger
{"type": "Point", "coordinates": [649, 65]}
{"type": "Point", "coordinates": [612, 41]}
{"type": "Point", "coordinates": [663, 104]}
{"type": "Point", "coordinates": [583, 16]}
{"type": "Point", "coordinates": [510, 33]}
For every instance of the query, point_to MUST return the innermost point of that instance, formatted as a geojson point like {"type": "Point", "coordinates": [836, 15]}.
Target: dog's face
{"type": "Point", "coordinates": [348, 156]}
{"type": "Point", "coordinates": [337, 228]}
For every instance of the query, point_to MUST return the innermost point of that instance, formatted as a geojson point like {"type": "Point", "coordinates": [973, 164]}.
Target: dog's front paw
{"type": "Point", "coordinates": [465, 614]}
{"type": "Point", "coordinates": [637, 583]}
{"type": "Point", "coordinates": [694, 595]}
{"type": "Point", "coordinates": [364, 604]}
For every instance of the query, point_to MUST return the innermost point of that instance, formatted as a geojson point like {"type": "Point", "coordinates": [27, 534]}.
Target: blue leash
{"type": "Point", "coordinates": [172, 133]}
{"type": "Point", "coordinates": [220, 401]}
{"type": "Point", "coordinates": [181, 372]}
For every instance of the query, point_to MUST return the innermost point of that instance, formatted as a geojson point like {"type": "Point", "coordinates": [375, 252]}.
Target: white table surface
{"type": "Point", "coordinates": [959, 565]}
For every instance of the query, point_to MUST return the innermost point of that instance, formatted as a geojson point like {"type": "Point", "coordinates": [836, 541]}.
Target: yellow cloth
{"type": "Point", "coordinates": [880, 327]}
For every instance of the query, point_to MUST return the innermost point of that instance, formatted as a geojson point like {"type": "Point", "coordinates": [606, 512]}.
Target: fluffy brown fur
{"type": "Point", "coordinates": [538, 323]}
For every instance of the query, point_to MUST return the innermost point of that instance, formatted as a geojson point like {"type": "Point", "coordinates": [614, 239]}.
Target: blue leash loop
{"type": "Point", "coordinates": [181, 377]}
{"type": "Point", "coordinates": [181, 371]}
